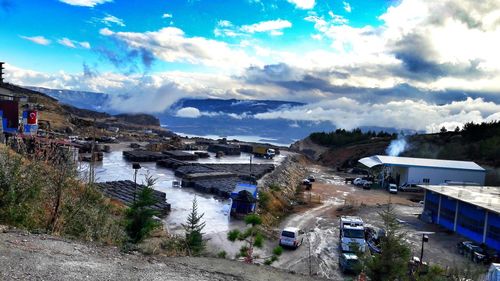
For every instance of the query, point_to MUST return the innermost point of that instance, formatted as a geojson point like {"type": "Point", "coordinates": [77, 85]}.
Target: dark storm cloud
{"type": "Point", "coordinates": [417, 55]}
{"type": "Point", "coordinates": [126, 59]}
{"type": "Point", "coordinates": [89, 71]}
{"type": "Point", "coordinates": [294, 81]}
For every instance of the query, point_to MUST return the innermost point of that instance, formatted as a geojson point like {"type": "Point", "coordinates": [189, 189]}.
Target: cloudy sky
{"type": "Point", "coordinates": [416, 64]}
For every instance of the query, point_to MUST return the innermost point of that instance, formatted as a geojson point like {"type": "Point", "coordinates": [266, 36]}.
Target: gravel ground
{"type": "Point", "coordinates": [26, 256]}
{"type": "Point", "coordinates": [321, 223]}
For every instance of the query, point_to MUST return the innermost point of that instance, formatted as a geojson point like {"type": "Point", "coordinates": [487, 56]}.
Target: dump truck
{"type": "Point", "coordinates": [264, 152]}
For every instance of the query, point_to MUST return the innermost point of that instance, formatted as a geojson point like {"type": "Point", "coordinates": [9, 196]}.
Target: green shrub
{"type": "Point", "coordinates": [222, 254]}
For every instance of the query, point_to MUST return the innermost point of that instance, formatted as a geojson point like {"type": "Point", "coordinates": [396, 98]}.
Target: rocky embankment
{"type": "Point", "coordinates": [286, 176]}
{"type": "Point", "coordinates": [25, 256]}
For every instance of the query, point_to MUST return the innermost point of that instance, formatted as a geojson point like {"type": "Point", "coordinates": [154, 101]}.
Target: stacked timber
{"type": "Point", "coordinates": [123, 191]}
{"type": "Point", "coordinates": [143, 156]}
{"type": "Point", "coordinates": [181, 155]}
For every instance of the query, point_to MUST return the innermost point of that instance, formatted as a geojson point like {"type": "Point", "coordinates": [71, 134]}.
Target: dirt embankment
{"type": "Point", "coordinates": [25, 256]}
{"type": "Point", "coordinates": [287, 176]}
{"type": "Point", "coordinates": [345, 156]}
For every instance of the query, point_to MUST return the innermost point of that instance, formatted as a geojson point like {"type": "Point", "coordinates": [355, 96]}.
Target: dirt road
{"type": "Point", "coordinates": [319, 252]}
{"type": "Point", "coordinates": [40, 257]}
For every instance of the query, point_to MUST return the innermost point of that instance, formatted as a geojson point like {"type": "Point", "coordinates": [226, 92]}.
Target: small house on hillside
{"type": "Point", "coordinates": [16, 114]}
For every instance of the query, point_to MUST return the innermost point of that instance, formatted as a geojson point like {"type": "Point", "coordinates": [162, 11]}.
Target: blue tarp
{"type": "Point", "coordinates": [244, 186]}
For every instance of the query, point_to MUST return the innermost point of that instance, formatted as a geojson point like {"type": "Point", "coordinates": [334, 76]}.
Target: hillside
{"type": "Point", "coordinates": [63, 118]}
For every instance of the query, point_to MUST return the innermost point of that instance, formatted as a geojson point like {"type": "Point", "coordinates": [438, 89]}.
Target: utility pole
{"type": "Point", "coordinates": [250, 165]}
{"type": "Point", "coordinates": [92, 157]}
{"type": "Point", "coordinates": [310, 256]}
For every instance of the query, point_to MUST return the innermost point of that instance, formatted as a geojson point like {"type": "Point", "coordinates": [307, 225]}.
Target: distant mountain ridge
{"type": "Point", "coordinates": [81, 99]}
{"type": "Point", "coordinates": [219, 117]}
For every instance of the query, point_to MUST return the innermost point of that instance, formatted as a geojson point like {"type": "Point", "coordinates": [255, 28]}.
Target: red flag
{"type": "Point", "coordinates": [32, 118]}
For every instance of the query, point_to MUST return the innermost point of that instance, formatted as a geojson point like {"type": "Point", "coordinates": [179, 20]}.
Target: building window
{"type": "Point", "coordinates": [493, 232]}
{"type": "Point", "coordinates": [426, 180]}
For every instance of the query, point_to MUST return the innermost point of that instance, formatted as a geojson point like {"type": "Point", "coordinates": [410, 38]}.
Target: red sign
{"type": "Point", "coordinates": [32, 118]}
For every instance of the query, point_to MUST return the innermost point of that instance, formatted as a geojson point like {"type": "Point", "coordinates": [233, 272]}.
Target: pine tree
{"type": "Point", "coordinates": [392, 262]}
{"type": "Point", "coordinates": [194, 227]}
{"type": "Point", "coordinates": [139, 217]}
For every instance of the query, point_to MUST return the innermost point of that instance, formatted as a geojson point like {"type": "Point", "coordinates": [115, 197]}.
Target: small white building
{"type": "Point", "coordinates": [426, 171]}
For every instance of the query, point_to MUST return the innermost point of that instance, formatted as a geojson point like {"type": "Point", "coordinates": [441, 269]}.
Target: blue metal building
{"type": "Point", "coordinates": [471, 211]}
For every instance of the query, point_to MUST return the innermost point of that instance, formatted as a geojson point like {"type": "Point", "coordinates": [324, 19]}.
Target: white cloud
{"type": "Point", "coordinates": [267, 26]}
{"type": "Point", "coordinates": [170, 44]}
{"type": "Point", "coordinates": [40, 40]}
{"type": "Point", "coordinates": [110, 19]}
{"type": "Point", "coordinates": [303, 4]}
{"type": "Point", "coordinates": [85, 44]}
{"type": "Point", "coordinates": [349, 113]}
{"type": "Point", "coordinates": [85, 3]}
{"type": "Point", "coordinates": [272, 27]}
{"type": "Point", "coordinates": [66, 42]}
{"type": "Point", "coordinates": [188, 112]}
{"type": "Point", "coordinates": [106, 31]}
{"type": "Point", "coordinates": [166, 16]}
{"type": "Point", "coordinates": [73, 44]}
{"type": "Point", "coordinates": [347, 6]}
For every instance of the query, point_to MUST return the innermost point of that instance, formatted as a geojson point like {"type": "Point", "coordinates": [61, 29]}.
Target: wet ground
{"type": "Point", "coordinates": [115, 167]}
{"type": "Point", "coordinates": [319, 252]}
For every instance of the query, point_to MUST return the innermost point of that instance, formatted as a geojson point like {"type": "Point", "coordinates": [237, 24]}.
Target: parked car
{"type": "Point", "coordinates": [349, 262]}
{"type": "Point", "coordinates": [291, 237]}
{"type": "Point", "coordinates": [372, 238]}
{"type": "Point", "coordinates": [307, 183]}
{"type": "Point", "coordinates": [493, 273]}
{"type": "Point", "coordinates": [410, 187]}
{"type": "Point", "coordinates": [358, 181]}
{"type": "Point", "coordinates": [392, 188]}
{"type": "Point", "coordinates": [367, 184]}
{"type": "Point", "coordinates": [476, 253]}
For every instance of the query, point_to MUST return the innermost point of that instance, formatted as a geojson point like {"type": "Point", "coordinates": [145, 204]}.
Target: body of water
{"type": "Point", "coordinates": [255, 139]}
{"type": "Point", "coordinates": [216, 210]}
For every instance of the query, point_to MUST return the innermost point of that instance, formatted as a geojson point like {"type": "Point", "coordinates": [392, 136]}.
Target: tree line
{"type": "Point", "coordinates": [342, 137]}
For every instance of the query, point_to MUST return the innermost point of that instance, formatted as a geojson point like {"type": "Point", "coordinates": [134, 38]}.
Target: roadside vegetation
{"type": "Point", "coordinates": [42, 193]}
{"type": "Point", "coordinates": [252, 238]}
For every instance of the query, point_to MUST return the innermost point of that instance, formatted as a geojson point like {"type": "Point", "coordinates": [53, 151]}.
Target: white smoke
{"type": "Point", "coordinates": [397, 146]}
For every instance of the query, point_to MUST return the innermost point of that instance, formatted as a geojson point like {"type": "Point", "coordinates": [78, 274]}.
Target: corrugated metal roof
{"type": "Point", "coordinates": [486, 197]}
{"type": "Point", "coordinates": [419, 162]}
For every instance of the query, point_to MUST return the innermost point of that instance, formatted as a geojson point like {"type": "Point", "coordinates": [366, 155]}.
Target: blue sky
{"type": "Point", "coordinates": [353, 62]}
{"type": "Point", "coordinates": [55, 20]}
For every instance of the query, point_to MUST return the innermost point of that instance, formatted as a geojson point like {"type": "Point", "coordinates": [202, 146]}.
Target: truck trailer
{"type": "Point", "coordinates": [264, 152]}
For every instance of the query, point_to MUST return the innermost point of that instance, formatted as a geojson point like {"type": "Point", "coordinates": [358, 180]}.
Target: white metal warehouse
{"type": "Point", "coordinates": [426, 171]}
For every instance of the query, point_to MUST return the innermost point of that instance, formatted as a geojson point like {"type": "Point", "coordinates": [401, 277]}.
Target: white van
{"type": "Point", "coordinates": [393, 188]}
{"type": "Point", "coordinates": [291, 237]}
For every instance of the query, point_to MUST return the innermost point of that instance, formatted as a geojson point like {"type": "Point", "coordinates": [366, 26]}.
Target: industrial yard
{"type": "Point", "coordinates": [438, 203]}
